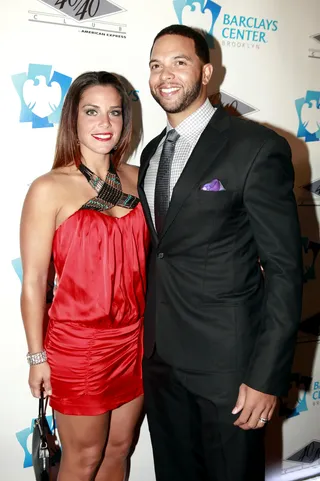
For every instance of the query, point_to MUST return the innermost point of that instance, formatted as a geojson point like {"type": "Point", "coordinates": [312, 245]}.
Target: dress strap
{"type": "Point", "coordinates": [109, 191]}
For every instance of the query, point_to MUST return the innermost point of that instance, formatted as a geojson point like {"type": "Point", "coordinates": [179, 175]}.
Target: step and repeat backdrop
{"type": "Point", "coordinates": [266, 56]}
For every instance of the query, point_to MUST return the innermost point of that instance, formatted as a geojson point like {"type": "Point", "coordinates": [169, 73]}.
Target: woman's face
{"type": "Point", "coordinates": [100, 120]}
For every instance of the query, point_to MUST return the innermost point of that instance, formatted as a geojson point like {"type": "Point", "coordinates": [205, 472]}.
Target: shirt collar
{"type": "Point", "coordinates": [193, 126]}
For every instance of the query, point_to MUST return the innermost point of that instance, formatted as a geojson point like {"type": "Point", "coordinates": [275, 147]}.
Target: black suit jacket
{"type": "Point", "coordinates": [209, 307]}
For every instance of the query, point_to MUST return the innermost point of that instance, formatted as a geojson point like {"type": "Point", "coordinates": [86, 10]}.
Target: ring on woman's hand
{"type": "Point", "coordinates": [263, 420]}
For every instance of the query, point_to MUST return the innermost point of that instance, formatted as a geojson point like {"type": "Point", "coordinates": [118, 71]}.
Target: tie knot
{"type": "Point", "coordinates": [172, 136]}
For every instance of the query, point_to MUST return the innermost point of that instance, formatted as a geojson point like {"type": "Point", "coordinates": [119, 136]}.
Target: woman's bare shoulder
{"type": "Point", "coordinates": [50, 185]}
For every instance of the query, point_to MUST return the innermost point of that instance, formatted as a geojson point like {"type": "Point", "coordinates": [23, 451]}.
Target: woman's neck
{"type": "Point", "coordinates": [99, 164]}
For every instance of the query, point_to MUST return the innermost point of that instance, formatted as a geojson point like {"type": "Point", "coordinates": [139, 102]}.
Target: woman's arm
{"type": "Point", "coordinates": [38, 222]}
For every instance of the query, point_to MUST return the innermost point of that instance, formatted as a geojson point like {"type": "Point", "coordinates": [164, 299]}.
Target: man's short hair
{"type": "Point", "coordinates": [200, 44]}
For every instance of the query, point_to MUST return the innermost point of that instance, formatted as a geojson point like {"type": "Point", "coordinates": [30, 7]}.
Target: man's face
{"type": "Point", "coordinates": [176, 73]}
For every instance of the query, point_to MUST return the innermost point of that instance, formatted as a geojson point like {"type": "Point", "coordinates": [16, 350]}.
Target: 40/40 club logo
{"type": "Point", "coordinates": [41, 93]}
{"type": "Point", "coordinates": [83, 9]}
{"type": "Point", "coordinates": [89, 15]}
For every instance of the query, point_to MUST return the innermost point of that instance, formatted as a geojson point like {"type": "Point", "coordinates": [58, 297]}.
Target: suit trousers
{"type": "Point", "coordinates": [193, 438]}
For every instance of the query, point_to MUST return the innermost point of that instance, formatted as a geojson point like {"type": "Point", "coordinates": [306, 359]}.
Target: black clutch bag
{"type": "Point", "coordinates": [46, 451]}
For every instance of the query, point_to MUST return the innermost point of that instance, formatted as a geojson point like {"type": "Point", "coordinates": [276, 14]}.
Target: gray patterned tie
{"type": "Point", "coordinates": [162, 188]}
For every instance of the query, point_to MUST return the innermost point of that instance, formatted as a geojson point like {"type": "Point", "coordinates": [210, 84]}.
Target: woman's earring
{"type": "Point", "coordinates": [78, 141]}
{"type": "Point", "coordinates": [115, 147]}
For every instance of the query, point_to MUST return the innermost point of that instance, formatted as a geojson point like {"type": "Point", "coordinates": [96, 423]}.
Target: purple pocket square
{"type": "Point", "coordinates": [213, 186]}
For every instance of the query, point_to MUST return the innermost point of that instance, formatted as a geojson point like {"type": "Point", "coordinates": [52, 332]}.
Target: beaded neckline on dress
{"type": "Point", "coordinates": [109, 191]}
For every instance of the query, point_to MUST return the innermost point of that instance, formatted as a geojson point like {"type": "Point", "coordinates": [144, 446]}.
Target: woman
{"type": "Point", "coordinates": [90, 362]}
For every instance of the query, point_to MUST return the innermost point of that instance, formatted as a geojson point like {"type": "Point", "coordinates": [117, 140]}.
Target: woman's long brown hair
{"type": "Point", "coordinates": [67, 147]}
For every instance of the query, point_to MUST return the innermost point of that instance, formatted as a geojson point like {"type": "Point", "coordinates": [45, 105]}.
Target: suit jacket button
{"type": "Point", "coordinates": [160, 255]}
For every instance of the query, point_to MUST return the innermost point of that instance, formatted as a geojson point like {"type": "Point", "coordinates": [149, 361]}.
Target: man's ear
{"type": "Point", "coordinates": [207, 70]}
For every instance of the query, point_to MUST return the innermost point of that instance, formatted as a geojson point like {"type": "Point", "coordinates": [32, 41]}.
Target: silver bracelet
{"type": "Point", "coordinates": [36, 358]}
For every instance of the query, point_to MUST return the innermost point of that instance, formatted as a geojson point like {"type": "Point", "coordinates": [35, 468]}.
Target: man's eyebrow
{"type": "Point", "coordinates": [186, 57]}
{"type": "Point", "coordinates": [176, 57]}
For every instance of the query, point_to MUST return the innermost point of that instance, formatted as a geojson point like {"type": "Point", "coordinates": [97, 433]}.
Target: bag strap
{"type": "Point", "coordinates": [43, 404]}
{"type": "Point", "coordinates": [42, 410]}
{"type": "Point", "coordinates": [54, 425]}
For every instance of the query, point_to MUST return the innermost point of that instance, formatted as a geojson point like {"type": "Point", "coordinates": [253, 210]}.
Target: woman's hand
{"type": "Point", "coordinates": [39, 378]}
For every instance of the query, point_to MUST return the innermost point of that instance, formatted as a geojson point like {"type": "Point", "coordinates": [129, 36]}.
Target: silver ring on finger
{"type": "Point", "coordinates": [263, 420]}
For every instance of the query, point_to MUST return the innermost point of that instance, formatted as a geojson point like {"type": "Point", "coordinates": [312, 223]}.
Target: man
{"type": "Point", "coordinates": [219, 334]}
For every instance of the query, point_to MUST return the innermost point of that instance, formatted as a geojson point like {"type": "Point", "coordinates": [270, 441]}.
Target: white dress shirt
{"type": "Point", "coordinates": [189, 130]}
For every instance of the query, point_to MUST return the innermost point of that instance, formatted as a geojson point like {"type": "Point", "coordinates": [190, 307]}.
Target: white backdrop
{"type": "Point", "coordinates": [267, 57]}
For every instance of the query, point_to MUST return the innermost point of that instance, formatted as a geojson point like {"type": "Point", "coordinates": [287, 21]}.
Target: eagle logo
{"type": "Point", "coordinates": [40, 98]}
{"type": "Point", "coordinates": [308, 110]}
{"type": "Point", "coordinates": [41, 93]}
{"type": "Point", "coordinates": [24, 438]}
{"type": "Point", "coordinates": [201, 14]}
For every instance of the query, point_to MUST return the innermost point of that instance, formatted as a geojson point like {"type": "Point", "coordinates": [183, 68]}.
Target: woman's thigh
{"type": "Point", "coordinates": [123, 422]}
{"type": "Point", "coordinates": [82, 433]}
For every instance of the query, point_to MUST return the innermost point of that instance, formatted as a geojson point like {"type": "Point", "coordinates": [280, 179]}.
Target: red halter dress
{"type": "Point", "coordinates": [94, 337]}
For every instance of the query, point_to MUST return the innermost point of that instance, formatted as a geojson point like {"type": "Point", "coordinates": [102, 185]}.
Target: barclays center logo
{"type": "Point", "coordinates": [51, 281]}
{"type": "Point", "coordinates": [301, 406]}
{"type": "Point", "coordinates": [24, 438]}
{"type": "Point", "coordinates": [41, 92]}
{"type": "Point", "coordinates": [17, 265]}
{"type": "Point", "coordinates": [239, 31]}
{"type": "Point", "coordinates": [202, 14]}
{"type": "Point", "coordinates": [308, 110]}
{"type": "Point", "coordinates": [296, 403]}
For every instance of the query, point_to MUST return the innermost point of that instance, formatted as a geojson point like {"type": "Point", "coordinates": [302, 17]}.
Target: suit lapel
{"type": "Point", "coordinates": [209, 146]}
{"type": "Point", "coordinates": [147, 154]}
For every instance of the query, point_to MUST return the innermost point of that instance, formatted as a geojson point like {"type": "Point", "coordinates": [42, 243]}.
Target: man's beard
{"type": "Point", "coordinates": [182, 104]}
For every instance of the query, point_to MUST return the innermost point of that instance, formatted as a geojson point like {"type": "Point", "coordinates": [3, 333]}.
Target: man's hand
{"type": "Point", "coordinates": [254, 405]}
